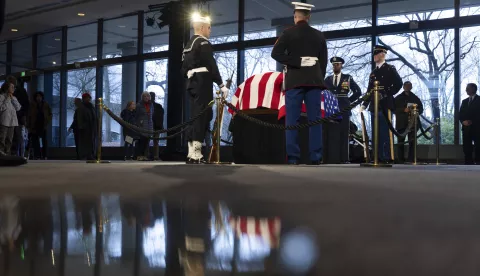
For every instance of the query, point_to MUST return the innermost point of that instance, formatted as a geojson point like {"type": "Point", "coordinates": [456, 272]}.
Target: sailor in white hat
{"type": "Point", "coordinates": [303, 52]}
{"type": "Point", "coordinates": [201, 71]}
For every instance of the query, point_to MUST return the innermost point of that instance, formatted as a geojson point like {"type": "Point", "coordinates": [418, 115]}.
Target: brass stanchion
{"type": "Point", "coordinates": [415, 129]}
{"type": "Point", "coordinates": [99, 134]}
{"type": "Point", "coordinates": [376, 103]}
{"type": "Point", "coordinates": [214, 157]}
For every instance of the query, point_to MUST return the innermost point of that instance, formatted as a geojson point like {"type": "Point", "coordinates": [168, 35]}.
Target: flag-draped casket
{"type": "Point", "coordinates": [266, 91]}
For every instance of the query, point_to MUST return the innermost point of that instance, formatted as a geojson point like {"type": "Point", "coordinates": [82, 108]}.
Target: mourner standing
{"type": "Point", "coordinates": [403, 103]}
{"type": "Point", "coordinates": [303, 52]}
{"type": "Point", "coordinates": [200, 67]}
{"type": "Point", "coordinates": [337, 135]}
{"type": "Point", "coordinates": [470, 120]}
{"type": "Point", "coordinates": [158, 114]}
{"type": "Point", "coordinates": [391, 82]}
{"type": "Point", "coordinates": [87, 127]}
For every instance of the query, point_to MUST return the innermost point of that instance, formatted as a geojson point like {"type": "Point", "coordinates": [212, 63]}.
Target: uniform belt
{"type": "Point", "coordinates": [314, 58]}
{"type": "Point", "coordinates": [190, 73]}
{"type": "Point", "coordinates": [342, 96]}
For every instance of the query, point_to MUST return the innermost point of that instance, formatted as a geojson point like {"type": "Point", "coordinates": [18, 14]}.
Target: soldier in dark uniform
{"type": "Point", "coordinates": [469, 116]}
{"type": "Point", "coordinates": [303, 52]}
{"type": "Point", "coordinates": [337, 135]}
{"type": "Point", "coordinates": [201, 69]}
{"type": "Point", "coordinates": [402, 113]}
{"type": "Point", "coordinates": [388, 77]}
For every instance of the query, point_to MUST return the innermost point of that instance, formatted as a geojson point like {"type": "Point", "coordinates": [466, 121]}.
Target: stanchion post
{"type": "Point", "coordinates": [376, 108]}
{"type": "Point", "coordinates": [415, 129]}
{"type": "Point", "coordinates": [99, 105]}
{"type": "Point", "coordinates": [219, 123]}
{"type": "Point", "coordinates": [437, 139]}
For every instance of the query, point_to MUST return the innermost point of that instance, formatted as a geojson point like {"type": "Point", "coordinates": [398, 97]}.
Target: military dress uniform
{"type": "Point", "coordinates": [303, 52]}
{"type": "Point", "coordinates": [201, 69]}
{"type": "Point", "coordinates": [337, 136]}
{"type": "Point", "coordinates": [391, 82]}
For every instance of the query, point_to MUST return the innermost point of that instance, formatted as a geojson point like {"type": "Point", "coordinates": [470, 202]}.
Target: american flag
{"type": "Point", "coordinates": [265, 90]}
{"type": "Point", "coordinates": [268, 229]}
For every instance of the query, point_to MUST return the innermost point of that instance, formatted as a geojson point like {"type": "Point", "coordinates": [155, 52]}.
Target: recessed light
{"type": "Point", "coordinates": [14, 30]}
{"type": "Point", "coordinates": [90, 56]}
{"type": "Point", "coordinates": [57, 39]}
{"type": "Point", "coordinates": [80, 14]}
{"type": "Point", "coordinates": [121, 26]}
{"type": "Point", "coordinates": [54, 62]}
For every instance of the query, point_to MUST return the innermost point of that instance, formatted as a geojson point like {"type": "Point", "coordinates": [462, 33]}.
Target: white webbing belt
{"type": "Point", "coordinates": [190, 73]}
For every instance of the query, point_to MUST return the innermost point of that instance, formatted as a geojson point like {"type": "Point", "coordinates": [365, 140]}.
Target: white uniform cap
{"type": "Point", "coordinates": [302, 6]}
{"type": "Point", "coordinates": [197, 18]}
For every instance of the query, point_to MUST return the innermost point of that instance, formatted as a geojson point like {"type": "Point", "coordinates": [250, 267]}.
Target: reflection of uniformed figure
{"type": "Point", "coordinates": [303, 52]}
{"type": "Point", "coordinates": [200, 68]}
{"type": "Point", "coordinates": [337, 135]}
{"type": "Point", "coordinates": [391, 82]}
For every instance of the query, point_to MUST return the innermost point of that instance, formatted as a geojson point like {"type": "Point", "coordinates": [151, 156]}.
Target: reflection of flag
{"type": "Point", "coordinates": [266, 228]}
{"type": "Point", "coordinates": [265, 90]}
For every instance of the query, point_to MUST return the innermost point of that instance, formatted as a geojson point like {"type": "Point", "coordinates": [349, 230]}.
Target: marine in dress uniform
{"type": "Point", "coordinates": [303, 52]}
{"type": "Point", "coordinates": [201, 71]}
{"type": "Point", "coordinates": [470, 119]}
{"type": "Point", "coordinates": [337, 135]}
{"type": "Point", "coordinates": [402, 113]}
{"type": "Point", "coordinates": [391, 81]}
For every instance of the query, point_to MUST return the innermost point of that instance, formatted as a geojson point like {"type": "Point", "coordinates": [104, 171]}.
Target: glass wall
{"type": "Point", "coordinates": [393, 12]}
{"type": "Point", "coordinates": [154, 38]}
{"type": "Point", "coordinates": [119, 87]}
{"type": "Point", "coordinates": [79, 81]}
{"type": "Point", "coordinates": [224, 15]}
{"type": "Point", "coordinates": [49, 49]}
{"type": "Point", "coordinates": [82, 43]}
{"type": "Point", "coordinates": [469, 7]}
{"type": "Point", "coordinates": [120, 37]}
{"type": "Point", "coordinates": [155, 80]}
{"type": "Point", "coordinates": [22, 55]}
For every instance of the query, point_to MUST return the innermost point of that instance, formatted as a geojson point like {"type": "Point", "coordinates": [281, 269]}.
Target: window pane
{"type": "Point", "coordinates": [82, 43]}
{"type": "Point", "coordinates": [120, 37]}
{"type": "Point", "coordinates": [224, 15]}
{"type": "Point", "coordinates": [49, 49]}
{"type": "Point", "coordinates": [3, 58]}
{"type": "Point", "coordinates": [79, 82]}
{"type": "Point", "coordinates": [22, 55]}
{"type": "Point", "coordinates": [469, 7]}
{"type": "Point", "coordinates": [55, 105]}
{"type": "Point", "coordinates": [469, 62]}
{"type": "Point", "coordinates": [259, 61]}
{"type": "Point", "coordinates": [268, 18]}
{"type": "Point", "coordinates": [156, 81]}
{"type": "Point", "coordinates": [426, 59]}
{"type": "Point", "coordinates": [357, 55]}
{"type": "Point", "coordinates": [154, 38]}
{"type": "Point", "coordinates": [119, 87]}
{"type": "Point", "coordinates": [227, 65]}
{"type": "Point", "coordinates": [393, 12]}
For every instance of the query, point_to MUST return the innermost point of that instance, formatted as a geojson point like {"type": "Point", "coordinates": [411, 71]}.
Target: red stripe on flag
{"type": "Point", "coordinates": [246, 94]}
{"type": "Point", "coordinates": [271, 230]}
{"type": "Point", "coordinates": [243, 224]}
{"type": "Point", "coordinates": [322, 108]}
{"type": "Point", "coordinates": [277, 92]}
{"type": "Point", "coordinates": [262, 86]}
{"type": "Point", "coordinates": [258, 231]}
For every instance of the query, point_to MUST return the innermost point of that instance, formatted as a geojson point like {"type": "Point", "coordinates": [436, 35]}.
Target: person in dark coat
{"type": "Point", "coordinates": [470, 119]}
{"type": "Point", "coordinates": [40, 118]}
{"type": "Point", "coordinates": [18, 138]}
{"type": "Point", "coordinates": [402, 112]}
{"type": "Point", "coordinates": [144, 119]}
{"type": "Point", "coordinates": [128, 115]}
{"type": "Point", "coordinates": [302, 50]}
{"type": "Point", "coordinates": [337, 136]}
{"type": "Point", "coordinates": [158, 114]}
{"type": "Point", "coordinates": [74, 126]}
{"type": "Point", "coordinates": [201, 69]}
{"type": "Point", "coordinates": [87, 128]}
{"type": "Point", "coordinates": [391, 82]}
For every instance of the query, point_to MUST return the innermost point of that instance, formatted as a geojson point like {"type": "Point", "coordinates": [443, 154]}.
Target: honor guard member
{"type": "Point", "coordinates": [337, 135]}
{"type": "Point", "coordinates": [391, 82]}
{"type": "Point", "coordinates": [200, 67]}
{"type": "Point", "coordinates": [469, 116]}
{"type": "Point", "coordinates": [303, 52]}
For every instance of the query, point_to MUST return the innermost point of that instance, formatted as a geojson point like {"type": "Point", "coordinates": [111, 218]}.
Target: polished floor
{"type": "Point", "coordinates": [344, 220]}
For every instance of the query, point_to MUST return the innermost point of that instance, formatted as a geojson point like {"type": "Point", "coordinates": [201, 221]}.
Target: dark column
{"type": "Point", "coordinates": [48, 92]}
{"type": "Point", "coordinates": [175, 238]}
{"type": "Point", "coordinates": [63, 90]}
{"type": "Point", "coordinates": [176, 97]}
{"type": "Point", "coordinates": [457, 80]}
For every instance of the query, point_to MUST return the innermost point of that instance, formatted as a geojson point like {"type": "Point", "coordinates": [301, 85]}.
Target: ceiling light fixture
{"type": "Point", "coordinates": [121, 26]}
{"type": "Point", "coordinates": [80, 14]}
{"type": "Point", "coordinates": [54, 62]}
{"type": "Point", "coordinates": [14, 30]}
{"type": "Point", "coordinates": [57, 39]}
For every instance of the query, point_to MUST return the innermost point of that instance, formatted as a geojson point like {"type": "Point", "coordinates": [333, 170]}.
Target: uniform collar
{"type": "Point", "coordinates": [379, 65]}
{"type": "Point", "coordinates": [301, 22]}
{"type": "Point", "coordinates": [202, 36]}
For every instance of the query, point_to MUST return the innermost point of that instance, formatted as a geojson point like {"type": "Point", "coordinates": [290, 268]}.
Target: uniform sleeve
{"type": "Point", "coordinates": [206, 52]}
{"type": "Point", "coordinates": [328, 83]}
{"type": "Point", "coordinates": [396, 80]}
{"type": "Point", "coordinates": [367, 101]}
{"type": "Point", "coordinates": [357, 92]}
{"type": "Point", "coordinates": [279, 52]}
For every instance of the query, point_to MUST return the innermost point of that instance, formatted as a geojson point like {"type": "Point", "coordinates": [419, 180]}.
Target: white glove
{"type": "Point", "coordinates": [190, 74]}
{"type": "Point", "coordinates": [307, 62]}
{"type": "Point", "coordinates": [363, 108]}
{"type": "Point", "coordinates": [225, 91]}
